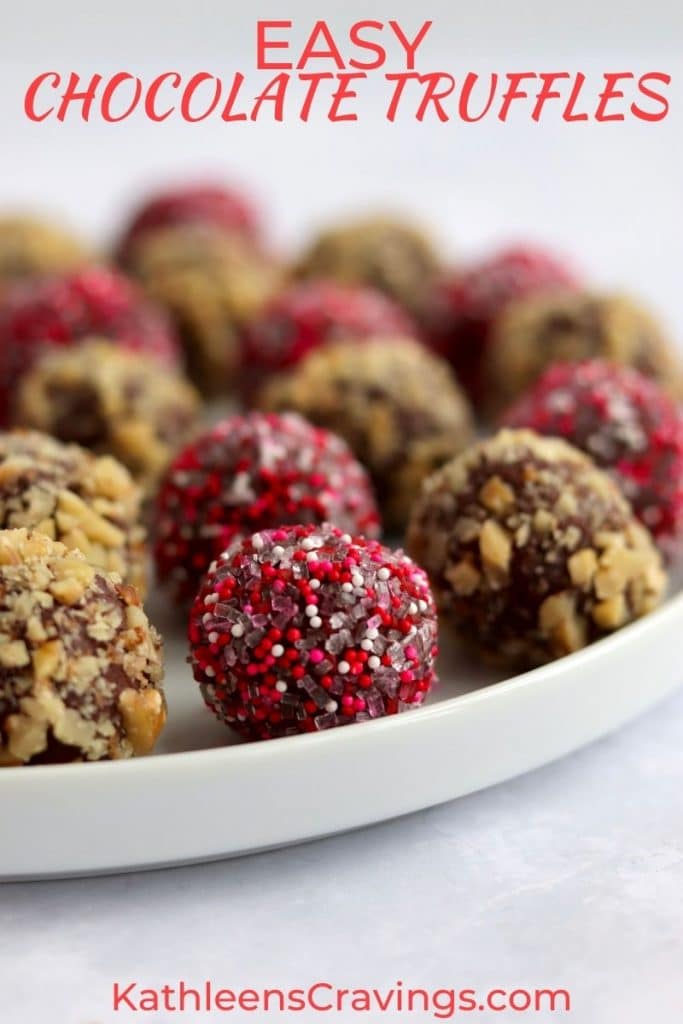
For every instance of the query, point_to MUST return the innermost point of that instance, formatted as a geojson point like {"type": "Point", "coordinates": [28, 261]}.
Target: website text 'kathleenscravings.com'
{"type": "Point", "coordinates": [326, 998]}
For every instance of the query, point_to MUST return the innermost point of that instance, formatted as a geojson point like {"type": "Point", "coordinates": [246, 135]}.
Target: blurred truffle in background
{"type": "Point", "coordinates": [218, 206]}
{"type": "Point", "coordinates": [397, 405]}
{"type": "Point", "coordinates": [307, 314]}
{"type": "Point", "coordinates": [212, 283]}
{"type": "Point", "coordinates": [200, 250]}
{"type": "Point", "coordinates": [59, 311]}
{"type": "Point", "coordinates": [468, 301]}
{"type": "Point", "coordinates": [534, 332]}
{"type": "Point", "coordinates": [31, 246]}
{"type": "Point", "coordinates": [387, 253]}
{"type": "Point", "coordinates": [111, 401]}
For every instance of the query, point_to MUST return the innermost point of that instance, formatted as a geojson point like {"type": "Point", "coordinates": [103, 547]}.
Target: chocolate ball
{"type": "Point", "coordinates": [113, 402]}
{"type": "Point", "coordinates": [385, 253]}
{"type": "Point", "coordinates": [88, 503]}
{"type": "Point", "coordinates": [469, 301]}
{"type": "Point", "coordinates": [535, 332]}
{"type": "Point", "coordinates": [216, 205]}
{"type": "Point", "coordinates": [308, 314]}
{"type": "Point", "coordinates": [627, 423]}
{"type": "Point", "coordinates": [80, 665]}
{"type": "Point", "coordinates": [30, 247]}
{"type": "Point", "coordinates": [251, 473]}
{"type": "Point", "coordinates": [532, 551]}
{"type": "Point", "coordinates": [212, 283]}
{"type": "Point", "coordinates": [396, 404]}
{"type": "Point", "coordinates": [306, 628]}
{"type": "Point", "coordinates": [61, 311]}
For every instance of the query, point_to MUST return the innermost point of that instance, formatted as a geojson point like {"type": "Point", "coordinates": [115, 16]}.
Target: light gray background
{"type": "Point", "coordinates": [569, 877]}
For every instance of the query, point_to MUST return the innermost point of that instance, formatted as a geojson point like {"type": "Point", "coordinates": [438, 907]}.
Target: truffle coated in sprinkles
{"type": "Point", "coordinates": [276, 655]}
{"type": "Point", "coordinates": [248, 473]}
{"type": "Point", "coordinates": [626, 422]}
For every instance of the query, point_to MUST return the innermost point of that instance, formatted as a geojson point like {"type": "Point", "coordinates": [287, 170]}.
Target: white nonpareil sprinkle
{"type": "Point", "coordinates": [374, 662]}
{"type": "Point", "coordinates": [281, 687]}
{"type": "Point", "coordinates": [316, 621]}
{"type": "Point", "coordinates": [311, 610]}
{"type": "Point", "coordinates": [237, 630]}
{"type": "Point", "coordinates": [209, 672]}
{"type": "Point", "coordinates": [383, 573]}
{"type": "Point", "coordinates": [314, 584]}
{"type": "Point", "coordinates": [343, 667]}
{"type": "Point", "coordinates": [331, 706]}
{"type": "Point", "coordinates": [277, 650]}
{"type": "Point", "coordinates": [347, 587]}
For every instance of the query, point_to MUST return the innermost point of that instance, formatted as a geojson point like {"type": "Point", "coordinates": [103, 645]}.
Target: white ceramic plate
{"type": "Point", "coordinates": [202, 796]}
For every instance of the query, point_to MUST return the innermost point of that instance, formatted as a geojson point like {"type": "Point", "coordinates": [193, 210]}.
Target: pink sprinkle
{"type": "Point", "coordinates": [411, 652]}
{"type": "Point", "coordinates": [347, 701]}
{"type": "Point", "coordinates": [316, 655]}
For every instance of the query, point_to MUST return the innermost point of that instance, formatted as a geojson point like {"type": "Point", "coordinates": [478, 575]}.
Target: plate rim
{"type": "Point", "coordinates": [278, 747]}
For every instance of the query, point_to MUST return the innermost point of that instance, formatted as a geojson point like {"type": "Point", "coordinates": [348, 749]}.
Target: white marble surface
{"type": "Point", "coordinates": [569, 877]}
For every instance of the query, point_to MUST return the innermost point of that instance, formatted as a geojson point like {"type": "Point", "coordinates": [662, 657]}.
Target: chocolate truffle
{"type": "Point", "coordinates": [626, 422]}
{"type": "Point", "coordinates": [80, 665]}
{"type": "Point", "coordinates": [30, 247]}
{"type": "Point", "coordinates": [59, 312]}
{"type": "Point", "coordinates": [307, 315]}
{"type": "Point", "coordinates": [532, 551]}
{"type": "Point", "coordinates": [212, 283]}
{"type": "Point", "coordinates": [468, 302]}
{"type": "Point", "coordinates": [218, 206]}
{"type": "Point", "coordinates": [250, 473]}
{"type": "Point", "coordinates": [306, 628]}
{"type": "Point", "coordinates": [397, 405]}
{"type": "Point", "coordinates": [88, 503]}
{"type": "Point", "coordinates": [113, 402]}
{"type": "Point", "coordinates": [385, 253]}
{"type": "Point", "coordinates": [535, 332]}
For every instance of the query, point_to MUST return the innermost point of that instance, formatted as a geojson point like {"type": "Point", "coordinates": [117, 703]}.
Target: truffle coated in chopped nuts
{"type": "Point", "coordinates": [112, 402]}
{"type": "Point", "coordinates": [80, 665]}
{"type": "Point", "coordinates": [212, 283]}
{"type": "Point", "coordinates": [383, 252]}
{"type": "Point", "coordinates": [88, 503]}
{"type": "Point", "coordinates": [397, 405]}
{"type": "Point", "coordinates": [532, 551]}
{"type": "Point", "coordinates": [30, 246]}
{"type": "Point", "coordinates": [534, 332]}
